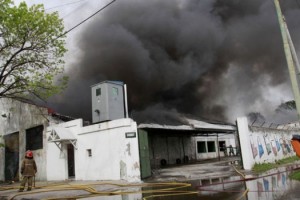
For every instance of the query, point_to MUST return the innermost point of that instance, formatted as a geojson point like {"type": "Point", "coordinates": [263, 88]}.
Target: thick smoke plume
{"type": "Point", "coordinates": [212, 59]}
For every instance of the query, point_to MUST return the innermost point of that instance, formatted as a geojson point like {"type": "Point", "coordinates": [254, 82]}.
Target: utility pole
{"type": "Point", "coordinates": [288, 46]}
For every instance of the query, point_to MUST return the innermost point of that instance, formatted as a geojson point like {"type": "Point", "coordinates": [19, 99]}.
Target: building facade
{"type": "Point", "coordinates": [22, 127]}
{"type": "Point", "coordinates": [104, 151]}
{"type": "Point", "coordinates": [111, 150]}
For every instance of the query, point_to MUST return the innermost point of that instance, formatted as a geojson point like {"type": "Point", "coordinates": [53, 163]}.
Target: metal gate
{"type": "Point", "coordinates": [144, 153]}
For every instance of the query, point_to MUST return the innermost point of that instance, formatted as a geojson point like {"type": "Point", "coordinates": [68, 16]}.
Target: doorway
{"type": "Point", "coordinates": [222, 148]}
{"type": "Point", "coordinates": [71, 162]}
{"type": "Point", "coordinates": [11, 168]}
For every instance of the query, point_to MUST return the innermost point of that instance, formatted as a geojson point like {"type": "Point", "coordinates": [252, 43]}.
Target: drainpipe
{"type": "Point", "coordinates": [125, 101]}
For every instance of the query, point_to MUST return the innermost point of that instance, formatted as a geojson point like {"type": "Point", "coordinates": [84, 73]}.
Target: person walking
{"type": "Point", "coordinates": [28, 171]}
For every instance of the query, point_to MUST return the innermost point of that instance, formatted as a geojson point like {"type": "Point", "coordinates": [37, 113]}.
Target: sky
{"type": "Point", "coordinates": [211, 59]}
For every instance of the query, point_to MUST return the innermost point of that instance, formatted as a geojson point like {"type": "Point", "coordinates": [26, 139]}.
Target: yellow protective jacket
{"type": "Point", "coordinates": [28, 167]}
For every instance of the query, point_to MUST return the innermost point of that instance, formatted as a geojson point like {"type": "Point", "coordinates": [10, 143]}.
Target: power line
{"type": "Point", "coordinates": [63, 5]}
{"type": "Point", "coordinates": [86, 19]}
{"type": "Point", "coordinates": [79, 7]}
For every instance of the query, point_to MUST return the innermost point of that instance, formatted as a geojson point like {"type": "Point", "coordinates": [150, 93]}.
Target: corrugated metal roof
{"type": "Point", "coordinates": [191, 125]}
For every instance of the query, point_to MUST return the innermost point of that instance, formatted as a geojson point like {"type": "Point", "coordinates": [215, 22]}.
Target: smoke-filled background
{"type": "Point", "coordinates": [212, 59]}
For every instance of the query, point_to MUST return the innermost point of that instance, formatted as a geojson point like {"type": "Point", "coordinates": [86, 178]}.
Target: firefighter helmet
{"type": "Point", "coordinates": [29, 154]}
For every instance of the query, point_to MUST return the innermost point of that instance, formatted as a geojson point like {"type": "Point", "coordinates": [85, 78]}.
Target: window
{"type": "Point", "coordinates": [98, 91]}
{"type": "Point", "coordinates": [201, 147]}
{"type": "Point", "coordinates": [115, 91]}
{"type": "Point", "coordinates": [34, 138]}
{"type": "Point", "coordinates": [211, 147]}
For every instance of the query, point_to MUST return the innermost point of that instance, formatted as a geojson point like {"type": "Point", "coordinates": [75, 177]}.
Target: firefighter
{"type": "Point", "coordinates": [28, 171]}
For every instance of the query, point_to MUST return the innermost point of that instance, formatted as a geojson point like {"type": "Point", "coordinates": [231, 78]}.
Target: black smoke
{"type": "Point", "coordinates": [213, 58]}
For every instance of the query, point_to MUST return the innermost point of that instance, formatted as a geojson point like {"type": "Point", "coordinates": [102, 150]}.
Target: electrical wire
{"type": "Point", "coordinates": [62, 5]}
{"type": "Point", "coordinates": [66, 32]}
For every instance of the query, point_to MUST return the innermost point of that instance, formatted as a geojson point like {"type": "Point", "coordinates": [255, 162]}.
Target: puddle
{"type": "Point", "coordinates": [273, 185]}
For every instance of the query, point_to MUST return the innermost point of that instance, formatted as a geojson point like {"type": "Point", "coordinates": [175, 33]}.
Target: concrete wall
{"type": "Point", "coordinates": [23, 116]}
{"type": "Point", "coordinates": [114, 157]}
{"type": "Point", "coordinates": [263, 145]}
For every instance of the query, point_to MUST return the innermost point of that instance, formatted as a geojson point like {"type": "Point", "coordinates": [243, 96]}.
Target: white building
{"type": "Point", "coordinates": [104, 151]}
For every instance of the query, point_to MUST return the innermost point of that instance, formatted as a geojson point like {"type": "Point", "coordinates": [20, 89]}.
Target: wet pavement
{"type": "Point", "coordinates": [206, 181]}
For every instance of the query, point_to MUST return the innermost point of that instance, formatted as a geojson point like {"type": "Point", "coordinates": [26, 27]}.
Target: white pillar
{"type": "Point", "coordinates": [246, 152]}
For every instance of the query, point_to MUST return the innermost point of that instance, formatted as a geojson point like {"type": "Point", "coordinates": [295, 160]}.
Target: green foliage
{"type": "Point", "coordinates": [31, 52]}
{"type": "Point", "coordinates": [295, 175]}
{"type": "Point", "coordinates": [287, 160]}
{"type": "Point", "coordinates": [259, 168]}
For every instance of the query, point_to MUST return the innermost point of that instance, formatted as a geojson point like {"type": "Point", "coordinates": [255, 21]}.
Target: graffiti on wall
{"type": "Point", "coordinates": [269, 145]}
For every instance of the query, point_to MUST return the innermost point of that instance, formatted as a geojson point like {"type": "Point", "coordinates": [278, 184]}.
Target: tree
{"type": "Point", "coordinates": [31, 52]}
{"type": "Point", "coordinates": [255, 117]}
{"type": "Point", "coordinates": [286, 106]}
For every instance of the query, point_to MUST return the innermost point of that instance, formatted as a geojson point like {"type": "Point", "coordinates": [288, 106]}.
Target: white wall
{"type": "Point", "coordinates": [114, 157]}
{"type": "Point", "coordinates": [263, 145]}
{"type": "Point", "coordinates": [57, 166]}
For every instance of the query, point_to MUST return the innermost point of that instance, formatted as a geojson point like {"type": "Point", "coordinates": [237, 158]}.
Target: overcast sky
{"type": "Point", "coordinates": [214, 59]}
